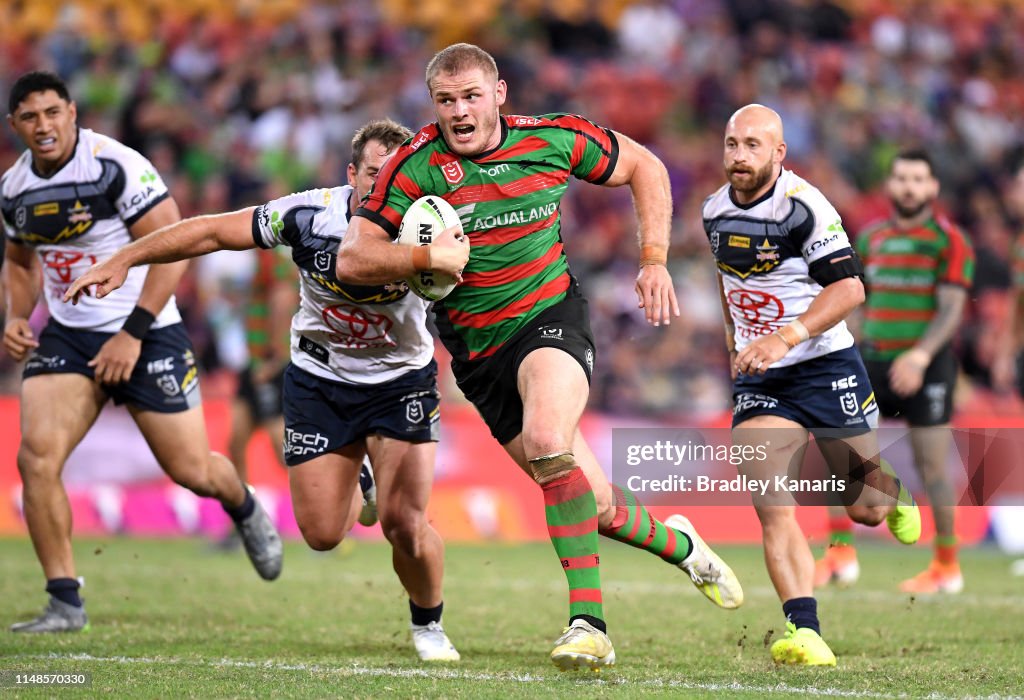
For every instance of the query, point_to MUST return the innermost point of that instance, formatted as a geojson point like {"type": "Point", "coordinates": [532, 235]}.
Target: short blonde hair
{"type": "Point", "coordinates": [460, 57]}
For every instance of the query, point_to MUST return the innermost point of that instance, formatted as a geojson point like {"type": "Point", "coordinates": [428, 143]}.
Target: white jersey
{"type": "Point", "coordinates": [80, 215]}
{"type": "Point", "coordinates": [342, 332]}
{"type": "Point", "coordinates": [765, 252]}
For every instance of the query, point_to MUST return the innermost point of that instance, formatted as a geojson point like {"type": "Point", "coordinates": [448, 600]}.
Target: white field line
{"type": "Point", "coordinates": [449, 674]}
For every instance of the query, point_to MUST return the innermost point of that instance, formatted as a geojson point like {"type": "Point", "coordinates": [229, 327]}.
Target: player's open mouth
{"type": "Point", "coordinates": [47, 142]}
{"type": "Point", "coordinates": [463, 131]}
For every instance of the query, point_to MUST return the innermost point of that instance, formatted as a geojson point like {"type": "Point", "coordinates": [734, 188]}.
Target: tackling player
{"type": "Point", "coordinates": [362, 378]}
{"type": "Point", "coordinates": [788, 278]}
{"type": "Point", "coordinates": [72, 198]}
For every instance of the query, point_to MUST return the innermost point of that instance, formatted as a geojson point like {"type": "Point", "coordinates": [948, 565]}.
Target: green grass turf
{"type": "Point", "coordinates": [170, 619]}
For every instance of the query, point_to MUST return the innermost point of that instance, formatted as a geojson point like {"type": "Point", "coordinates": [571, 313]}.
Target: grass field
{"type": "Point", "coordinates": [170, 619]}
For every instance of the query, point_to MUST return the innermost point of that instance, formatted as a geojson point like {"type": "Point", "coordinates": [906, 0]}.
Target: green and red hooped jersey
{"type": "Point", "coordinates": [508, 201]}
{"type": "Point", "coordinates": [902, 269]}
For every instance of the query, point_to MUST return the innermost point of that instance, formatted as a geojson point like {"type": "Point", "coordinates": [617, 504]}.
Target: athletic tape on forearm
{"type": "Point", "coordinates": [421, 258]}
{"type": "Point", "coordinates": [793, 333]}
{"type": "Point", "coordinates": [653, 255]}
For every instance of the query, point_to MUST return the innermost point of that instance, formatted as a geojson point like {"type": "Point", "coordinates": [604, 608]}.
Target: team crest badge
{"type": "Point", "coordinates": [453, 172]}
{"type": "Point", "coordinates": [767, 252]}
{"type": "Point", "coordinates": [79, 213]}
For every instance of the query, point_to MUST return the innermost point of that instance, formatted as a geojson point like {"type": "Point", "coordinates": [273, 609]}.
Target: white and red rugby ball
{"type": "Point", "coordinates": [423, 222]}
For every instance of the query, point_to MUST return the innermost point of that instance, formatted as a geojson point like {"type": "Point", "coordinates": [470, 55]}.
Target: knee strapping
{"type": "Point", "coordinates": [547, 466]}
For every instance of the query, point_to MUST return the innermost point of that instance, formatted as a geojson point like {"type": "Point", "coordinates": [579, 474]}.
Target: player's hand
{"type": "Point", "coordinates": [449, 252]}
{"type": "Point", "coordinates": [106, 276]}
{"type": "Point", "coordinates": [19, 340]}
{"type": "Point", "coordinates": [906, 373]}
{"type": "Point", "coordinates": [116, 359]}
{"type": "Point", "coordinates": [656, 295]}
{"type": "Point", "coordinates": [760, 354]}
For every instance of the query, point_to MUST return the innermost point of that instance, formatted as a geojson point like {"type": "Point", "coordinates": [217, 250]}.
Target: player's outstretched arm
{"type": "Point", "coordinates": [368, 256]}
{"type": "Point", "coordinates": [648, 180]}
{"type": "Point", "coordinates": [185, 239]}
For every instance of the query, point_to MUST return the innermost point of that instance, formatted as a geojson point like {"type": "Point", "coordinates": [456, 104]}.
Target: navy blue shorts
{"type": "Point", "coordinates": [165, 379]}
{"type": "Point", "coordinates": [830, 395]}
{"type": "Point", "coordinates": [322, 416]}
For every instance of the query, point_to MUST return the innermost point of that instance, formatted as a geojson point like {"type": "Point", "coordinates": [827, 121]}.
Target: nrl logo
{"type": "Point", "coordinates": [714, 241]}
{"type": "Point", "coordinates": [322, 260]}
{"type": "Point", "coordinates": [414, 411]}
{"type": "Point", "coordinates": [453, 172]}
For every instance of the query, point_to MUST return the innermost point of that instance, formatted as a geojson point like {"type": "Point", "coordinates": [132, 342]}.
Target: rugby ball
{"type": "Point", "coordinates": [423, 222]}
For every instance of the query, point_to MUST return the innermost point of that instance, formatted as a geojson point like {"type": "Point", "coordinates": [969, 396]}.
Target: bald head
{"type": "Point", "coordinates": [754, 151]}
{"type": "Point", "coordinates": [755, 118]}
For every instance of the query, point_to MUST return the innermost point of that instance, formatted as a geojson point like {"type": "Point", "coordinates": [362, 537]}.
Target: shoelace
{"type": "Point", "coordinates": [696, 577]}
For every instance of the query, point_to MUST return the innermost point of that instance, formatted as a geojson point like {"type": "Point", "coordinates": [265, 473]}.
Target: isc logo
{"type": "Point", "coordinates": [845, 383]}
{"type": "Point", "coordinates": [160, 366]}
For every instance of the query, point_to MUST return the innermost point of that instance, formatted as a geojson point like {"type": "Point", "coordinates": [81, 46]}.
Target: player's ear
{"type": "Point", "coordinates": [500, 90]}
{"type": "Point", "coordinates": [351, 171]}
{"type": "Point", "coordinates": [73, 110]}
{"type": "Point", "coordinates": [780, 153]}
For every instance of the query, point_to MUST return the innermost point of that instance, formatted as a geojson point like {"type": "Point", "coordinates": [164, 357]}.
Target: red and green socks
{"type": "Point", "coordinates": [571, 513]}
{"type": "Point", "coordinates": [635, 526]}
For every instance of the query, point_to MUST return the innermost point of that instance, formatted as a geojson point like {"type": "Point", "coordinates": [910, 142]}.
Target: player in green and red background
{"type": "Point", "coordinates": [517, 327]}
{"type": "Point", "coordinates": [919, 268]}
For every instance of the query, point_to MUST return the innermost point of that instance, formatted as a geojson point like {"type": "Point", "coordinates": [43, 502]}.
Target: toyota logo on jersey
{"type": "Point", "coordinates": [756, 307]}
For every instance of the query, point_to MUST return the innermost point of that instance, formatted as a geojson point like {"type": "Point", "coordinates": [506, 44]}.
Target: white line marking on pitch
{"type": "Point", "coordinates": [448, 674]}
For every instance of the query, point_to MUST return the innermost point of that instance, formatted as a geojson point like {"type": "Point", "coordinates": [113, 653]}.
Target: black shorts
{"type": "Point", "coordinates": [932, 405]}
{"type": "Point", "coordinates": [491, 383]}
{"type": "Point", "coordinates": [165, 379]}
{"type": "Point", "coordinates": [322, 416]}
{"type": "Point", "coordinates": [263, 400]}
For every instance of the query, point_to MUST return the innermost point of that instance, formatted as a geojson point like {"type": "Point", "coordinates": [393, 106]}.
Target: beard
{"type": "Point", "coordinates": [758, 178]}
{"type": "Point", "coordinates": [905, 211]}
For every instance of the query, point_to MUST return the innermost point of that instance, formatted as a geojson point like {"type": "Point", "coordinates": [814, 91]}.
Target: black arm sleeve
{"type": "Point", "coordinates": [836, 266]}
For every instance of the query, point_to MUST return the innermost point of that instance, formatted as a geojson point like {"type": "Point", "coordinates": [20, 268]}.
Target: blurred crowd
{"type": "Point", "coordinates": [236, 103]}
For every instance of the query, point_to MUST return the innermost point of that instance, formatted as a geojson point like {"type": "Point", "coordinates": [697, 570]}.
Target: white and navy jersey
{"type": "Point", "coordinates": [80, 215]}
{"type": "Point", "coordinates": [771, 255]}
{"type": "Point", "coordinates": [342, 332]}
